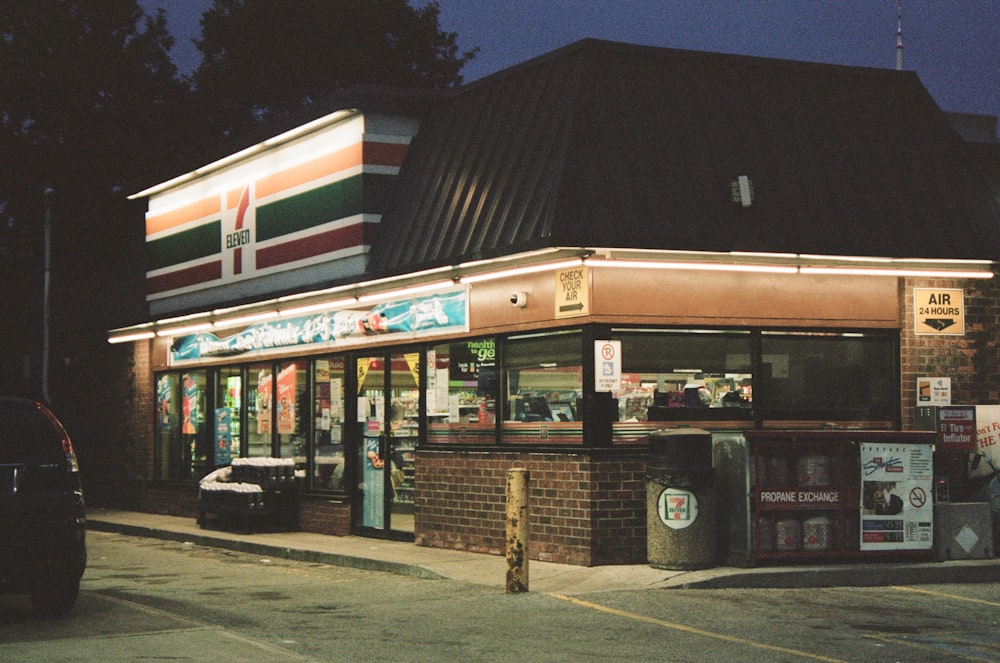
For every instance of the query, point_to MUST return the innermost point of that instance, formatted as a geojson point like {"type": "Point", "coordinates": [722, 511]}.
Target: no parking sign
{"type": "Point", "coordinates": [607, 365]}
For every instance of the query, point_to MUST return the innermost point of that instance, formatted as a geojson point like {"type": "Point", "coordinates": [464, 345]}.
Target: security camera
{"type": "Point", "coordinates": [519, 299]}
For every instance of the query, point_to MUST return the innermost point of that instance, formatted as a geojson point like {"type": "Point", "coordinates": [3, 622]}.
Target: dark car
{"type": "Point", "coordinates": [43, 548]}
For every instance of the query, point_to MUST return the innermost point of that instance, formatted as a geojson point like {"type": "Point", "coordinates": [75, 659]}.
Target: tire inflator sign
{"type": "Point", "coordinates": [939, 311]}
{"type": "Point", "coordinates": [677, 508]}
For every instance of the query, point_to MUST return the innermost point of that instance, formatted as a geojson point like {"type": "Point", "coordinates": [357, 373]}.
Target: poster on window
{"type": "Point", "coordinates": [223, 436]}
{"type": "Point", "coordinates": [896, 508]}
{"type": "Point", "coordinates": [192, 416]}
{"type": "Point", "coordinates": [264, 392]}
{"type": "Point", "coordinates": [286, 400]}
{"type": "Point", "coordinates": [164, 407]}
{"type": "Point", "coordinates": [373, 482]}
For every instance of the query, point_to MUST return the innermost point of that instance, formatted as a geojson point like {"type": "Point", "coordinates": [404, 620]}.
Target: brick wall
{"type": "Point", "coordinates": [325, 517]}
{"type": "Point", "coordinates": [971, 361]}
{"type": "Point", "coordinates": [585, 508]}
{"type": "Point", "coordinates": [140, 412]}
{"type": "Point", "coordinates": [170, 499]}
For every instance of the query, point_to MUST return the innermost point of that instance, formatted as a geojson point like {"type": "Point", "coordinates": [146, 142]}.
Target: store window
{"type": "Point", "coordinates": [462, 392]}
{"type": "Point", "coordinates": [228, 410]}
{"type": "Point", "coordinates": [183, 447]}
{"type": "Point", "coordinates": [196, 433]}
{"type": "Point", "coordinates": [328, 424]}
{"type": "Point", "coordinates": [828, 377]}
{"type": "Point", "coordinates": [167, 448]}
{"type": "Point", "coordinates": [685, 375]}
{"type": "Point", "coordinates": [543, 376]}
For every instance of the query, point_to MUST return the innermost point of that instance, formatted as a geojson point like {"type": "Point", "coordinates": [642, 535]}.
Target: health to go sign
{"type": "Point", "coordinates": [607, 365]}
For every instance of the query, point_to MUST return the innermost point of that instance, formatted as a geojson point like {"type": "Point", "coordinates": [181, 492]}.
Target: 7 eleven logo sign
{"type": "Point", "coordinates": [677, 508]}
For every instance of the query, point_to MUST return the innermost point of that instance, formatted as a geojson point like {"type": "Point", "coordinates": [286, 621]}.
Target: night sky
{"type": "Point", "coordinates": [953, 45]}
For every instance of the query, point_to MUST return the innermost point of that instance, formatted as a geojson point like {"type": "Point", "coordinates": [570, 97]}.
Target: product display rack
{"type": "Point", "coordinates": [251, 496]}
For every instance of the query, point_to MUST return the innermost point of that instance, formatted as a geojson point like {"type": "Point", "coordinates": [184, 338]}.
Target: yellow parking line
{"type": "Point", "coordinates": [954, 597]}
{"type": "Point", "coordinates": [692, 630]}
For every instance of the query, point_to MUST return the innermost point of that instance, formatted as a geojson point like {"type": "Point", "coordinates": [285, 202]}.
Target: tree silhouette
{"type": "Point", "coordinates": [265, 58]}
{"type": "Point", "coordinates": [88, 97]}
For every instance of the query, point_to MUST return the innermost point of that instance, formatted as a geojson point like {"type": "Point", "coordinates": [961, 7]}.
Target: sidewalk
{"type": "Point", "coordinates": [546, 577]}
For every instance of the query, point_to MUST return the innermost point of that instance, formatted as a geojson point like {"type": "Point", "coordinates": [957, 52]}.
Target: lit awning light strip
{"type": "Point", "coordinates": [318, 306]}
{"type": "Point", "coordinates": [701, 266]}
{"type": "Point", "coordinates": [897, 271]}
{"type": "Point", "coordinates": [129, 338]}
{"type": "Point", "coordinates": [245, 153]}
{"type": "Point", "coordinates": [246, 319]}
{"type": "Point", "coordinates": [177, 331]}
{"type": "Point", "coordinates": [408, 291]}
{"type": "Point", "coordinates": [518, 271]}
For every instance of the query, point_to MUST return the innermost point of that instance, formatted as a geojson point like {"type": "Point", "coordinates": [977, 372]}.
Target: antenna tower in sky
{"type": "Point", "coordinates": [899, 35]}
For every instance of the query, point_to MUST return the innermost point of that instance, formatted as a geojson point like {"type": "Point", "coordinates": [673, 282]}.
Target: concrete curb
{"type": "Point", "coordinates": [853, 575]}
{"type": "Point", "coordinates": [267, 550]}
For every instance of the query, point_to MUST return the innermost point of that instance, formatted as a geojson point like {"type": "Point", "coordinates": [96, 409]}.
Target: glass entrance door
{"type": "Point", "coordinates": [388, 406]}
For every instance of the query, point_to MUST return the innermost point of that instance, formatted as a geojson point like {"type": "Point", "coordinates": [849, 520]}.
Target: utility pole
{"type": "Point", "coordinates": [47, 198]}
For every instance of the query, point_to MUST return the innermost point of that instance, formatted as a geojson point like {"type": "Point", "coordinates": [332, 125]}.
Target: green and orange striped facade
{"type": "Point", "coordinates": [277, 213]}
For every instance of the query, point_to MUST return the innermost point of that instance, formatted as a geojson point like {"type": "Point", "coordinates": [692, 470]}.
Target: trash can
{"type": "Point", "coordinates": [680, 500]}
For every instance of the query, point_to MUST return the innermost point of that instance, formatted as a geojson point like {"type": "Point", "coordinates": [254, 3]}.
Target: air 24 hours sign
{"type": "Point", "coordinates": [939, 311]}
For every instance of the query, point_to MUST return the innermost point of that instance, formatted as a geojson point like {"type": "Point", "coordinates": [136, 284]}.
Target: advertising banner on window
{"type": "Point", "coordinates": [287, 404]}
{"type": "Point", "coordinates": [896, 508]}
{"type": "Point", "coordinates": [223, 436]}
{"type": "Point", "coordinates": [192, 416]}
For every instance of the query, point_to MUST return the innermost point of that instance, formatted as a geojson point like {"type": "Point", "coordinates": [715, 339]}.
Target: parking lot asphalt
{"type": "Point", "coordinates": [407, 558]}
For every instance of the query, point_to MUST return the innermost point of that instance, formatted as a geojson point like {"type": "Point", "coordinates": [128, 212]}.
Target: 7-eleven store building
{"type": "Point", "coordinates": [386, 302]}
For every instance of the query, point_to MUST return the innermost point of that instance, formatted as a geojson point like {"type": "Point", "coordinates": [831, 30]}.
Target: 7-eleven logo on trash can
{"type": "Point", "coordinates": [677, 508]}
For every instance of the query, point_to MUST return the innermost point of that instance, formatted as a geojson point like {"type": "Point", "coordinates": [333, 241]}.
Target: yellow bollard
{"type": "Point", "coordinates": [517, 530]}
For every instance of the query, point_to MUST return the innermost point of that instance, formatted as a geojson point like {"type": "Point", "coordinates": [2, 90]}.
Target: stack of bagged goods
{"type": "Point", "coordinates": [263, 470]}
{"type": "Point", "coordinates": [218, 490]}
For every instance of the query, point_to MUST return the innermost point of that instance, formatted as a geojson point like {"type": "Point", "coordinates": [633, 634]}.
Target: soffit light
{"type": "Point", "coordinates": [129, 338]}
{"type": "Point", "coordinates": [790, 263]}
{"type": "Point", "coordinates": [897, 271]}
{"type": "Point", "coordinates": [699, 266]}
{"type": "Point", "coordinates": [187, 329]}
{"type": "Point", "coordinates": [318, 306]}
{"type": "Point", "coordinates": [246, 319]}
{"type": "Point", "coordinates": [406, 292]}
{"type": "Point", "coordinates": [519, 271]}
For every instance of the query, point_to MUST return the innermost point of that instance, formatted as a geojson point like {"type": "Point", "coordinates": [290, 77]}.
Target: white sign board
{"type": "Point", "coordinates": [607, 365]}
{"type": "Point", "coordinates": [933, 392]}
{"type": "Point", "coordinates": [897, 512]}
{"type": "Point", "coordinates": [988, 438]}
